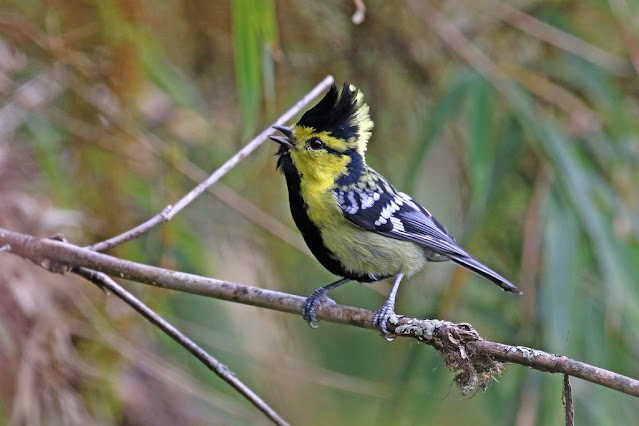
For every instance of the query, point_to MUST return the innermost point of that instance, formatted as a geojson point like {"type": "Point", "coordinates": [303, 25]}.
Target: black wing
{"type": "Point", "coordinates": [395, 215]}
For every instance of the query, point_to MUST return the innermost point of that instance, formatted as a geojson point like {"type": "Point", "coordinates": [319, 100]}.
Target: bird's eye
{"type": "Point", "coordinates": [316, 143]}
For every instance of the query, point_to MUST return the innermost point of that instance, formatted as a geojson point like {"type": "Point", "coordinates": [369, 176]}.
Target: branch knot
{"type": "Point", "coordinates": [451, 340]}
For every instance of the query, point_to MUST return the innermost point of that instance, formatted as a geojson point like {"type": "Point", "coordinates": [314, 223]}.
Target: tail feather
{"type": "Point", "coordinates": [473, 265]}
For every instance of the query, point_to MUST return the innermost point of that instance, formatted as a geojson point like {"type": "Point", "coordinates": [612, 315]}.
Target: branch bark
{"type": "Point", "coordinates": [463, 349]}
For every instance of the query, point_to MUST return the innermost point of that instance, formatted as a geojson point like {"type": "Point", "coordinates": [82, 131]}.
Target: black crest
{"type": "Point", "coordinates": [334, 113]}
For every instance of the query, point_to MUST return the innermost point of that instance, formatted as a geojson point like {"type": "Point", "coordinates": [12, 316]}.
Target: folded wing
{"type": "Point", "coordinates": [395, 215]}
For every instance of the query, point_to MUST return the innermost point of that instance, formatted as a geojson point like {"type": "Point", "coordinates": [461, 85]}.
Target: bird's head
{"type": "Point", "coordinates": [330, 139]}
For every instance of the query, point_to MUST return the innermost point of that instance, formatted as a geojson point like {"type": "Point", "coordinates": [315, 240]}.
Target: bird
{"type": "Point", "coordinates": [353, 220]}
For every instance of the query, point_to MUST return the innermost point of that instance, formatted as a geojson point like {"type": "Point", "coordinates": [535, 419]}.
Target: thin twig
{"type": "Point", "coordinates": [222, 371]}
{"type": "Point", "coordinates": [171, 210]}
{"type": "Point", "coordinates": [155, 365]}
{"type": "Point", "coordinates": [360, 12]}
{"type": "Point", "coordinates": [238, 203]}
{"type": "Point", "coordinates": [566, 399]}
{"type": "Point", "coordinates": [243, 206]}
{"type": "Point", "coordinates": [459, 343]}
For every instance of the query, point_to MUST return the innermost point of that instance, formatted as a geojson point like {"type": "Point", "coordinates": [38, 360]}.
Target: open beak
{"type": "Point", "coordinates": [285, 140]}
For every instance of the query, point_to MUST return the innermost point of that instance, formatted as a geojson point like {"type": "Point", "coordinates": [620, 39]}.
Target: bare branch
{"type": "Point", "coordinates": [222, 371]}
{"type": "Point", "coordinates": [460, 345]}
{"type": "Point", "coordinates": [551, 363]}
{"type": "Point", "coordinates": [171, 210]}
{"type": "Point", "coordinates": [360, 12]}
{"type": "Point", "coordinates": [566, 398]}
{"type": "Point", "coordinates": [244, 207]}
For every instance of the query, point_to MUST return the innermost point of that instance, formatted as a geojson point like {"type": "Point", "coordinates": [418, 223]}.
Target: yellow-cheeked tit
{"type": "Point", "coordinates": [353, 220]}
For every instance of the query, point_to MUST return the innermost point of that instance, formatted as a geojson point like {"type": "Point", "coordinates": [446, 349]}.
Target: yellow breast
{"type": "Point", "coordinates": [360, 251]}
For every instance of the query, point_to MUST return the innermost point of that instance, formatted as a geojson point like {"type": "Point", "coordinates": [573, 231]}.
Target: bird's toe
{"type": "Point", "coordinates": [382, 316]}
{"type": "Point", "coordinates": [312, 302]}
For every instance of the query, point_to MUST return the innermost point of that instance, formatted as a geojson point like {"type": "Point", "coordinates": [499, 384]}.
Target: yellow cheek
{"type": "Point", "coordinates": [319, 171]}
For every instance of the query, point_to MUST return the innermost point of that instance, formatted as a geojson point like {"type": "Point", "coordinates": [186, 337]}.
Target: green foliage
{"type": "Point", "coordinates": [532, 162]}
{"type": "Point", "coordinates": [254, 33]}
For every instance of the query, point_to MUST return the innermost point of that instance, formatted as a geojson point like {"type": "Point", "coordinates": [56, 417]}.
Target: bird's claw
{"type": "Point", "coordinates": [311, 304]}
{"type": "Point", "coordinates": [381, 318]}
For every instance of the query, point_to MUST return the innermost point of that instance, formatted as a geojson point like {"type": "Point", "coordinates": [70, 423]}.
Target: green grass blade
{"type": "Point", "coordinates": [480, 140]}
{"type": "Point", "coordinates": [560, 273]}
{"type": "Point", "coordinates": [247, 55]}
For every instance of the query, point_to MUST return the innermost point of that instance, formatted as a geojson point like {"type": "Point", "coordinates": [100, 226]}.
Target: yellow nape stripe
{"type": "Point", "coordinates": [361, 118]}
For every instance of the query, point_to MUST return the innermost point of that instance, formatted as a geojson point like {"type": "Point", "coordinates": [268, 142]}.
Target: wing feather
{"type": "Point", "coordinates": [395, 215]}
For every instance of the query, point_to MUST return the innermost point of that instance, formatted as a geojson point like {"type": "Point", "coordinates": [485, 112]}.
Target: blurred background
{"type": "Point", "coordinates": [515, 123]}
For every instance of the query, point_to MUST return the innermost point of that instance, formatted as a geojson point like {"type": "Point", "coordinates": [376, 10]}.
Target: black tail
{"type": "Point", "coordinates": [473, 265]}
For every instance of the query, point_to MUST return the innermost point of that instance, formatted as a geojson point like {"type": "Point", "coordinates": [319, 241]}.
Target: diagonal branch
{"type": "Point", "coordinates": [460, 345]}
{"type": "Point", "coordinates": [222, 371]}
{"type": "Point", "coordinates": [171, 210]}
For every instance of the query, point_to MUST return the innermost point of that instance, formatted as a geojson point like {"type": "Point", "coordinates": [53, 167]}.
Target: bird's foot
{"type": "Point", "coordinates": [382, 316]}
{"type": "Point", "coordinates": [311, 304]}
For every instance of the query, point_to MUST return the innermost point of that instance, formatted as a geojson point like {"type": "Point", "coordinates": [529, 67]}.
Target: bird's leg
{"type": "Point", "coordinates": [388, 308]}
{"type": "Point", "coordinates": [313, 301]}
